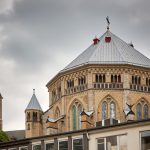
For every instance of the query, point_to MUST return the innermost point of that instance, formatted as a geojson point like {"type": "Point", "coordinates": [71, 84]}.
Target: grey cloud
{"type": "Point", "coordinates": [43, 36]}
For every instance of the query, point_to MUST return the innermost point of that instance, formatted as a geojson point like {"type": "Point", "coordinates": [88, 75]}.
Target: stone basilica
{"type": "Point", "coordinates": [108, 83]}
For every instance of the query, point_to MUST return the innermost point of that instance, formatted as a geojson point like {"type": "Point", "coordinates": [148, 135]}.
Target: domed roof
{"type": "Point", "coordinates": [110, 49]}
{"type": "Point", "coordinates": [34, 104]}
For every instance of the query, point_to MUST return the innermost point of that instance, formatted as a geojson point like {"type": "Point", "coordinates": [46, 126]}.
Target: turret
{"type": "Point", "coordinates": [33, 117]}
{"type": "Point", "coordinates": [1, 111]}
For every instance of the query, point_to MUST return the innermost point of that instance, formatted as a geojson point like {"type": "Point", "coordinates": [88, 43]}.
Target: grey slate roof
{"type": "Point", "coordinates": [34, 104]}
{"type": "Point", "coordinates": [115, 52]}
{"type": "Point", "coordinates": [16, 134]}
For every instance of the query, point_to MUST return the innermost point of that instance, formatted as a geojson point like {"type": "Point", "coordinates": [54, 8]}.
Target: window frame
{"type": "Point", "coordinates": [48, 142]}
{"type": "Point", "coordinates": [62, 140]}
{"type": "Point", "coordinates": [77, 138]}
{"type": "Point", "coordinates": [23, 147]}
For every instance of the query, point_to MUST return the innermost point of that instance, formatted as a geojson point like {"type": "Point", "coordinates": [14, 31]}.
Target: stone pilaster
{"type": "Point", "coordinates": [50, 98]}
{"type": "Point", "coordinates": [90, 92]}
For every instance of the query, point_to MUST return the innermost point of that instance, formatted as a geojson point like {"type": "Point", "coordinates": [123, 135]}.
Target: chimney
{"type": "Point", "coordinates": [95, 41]}
{"type": "Point", "coordinates": [107, 39]}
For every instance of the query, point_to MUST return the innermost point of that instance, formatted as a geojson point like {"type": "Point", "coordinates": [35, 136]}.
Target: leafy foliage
{"type": "Point", "coordinates": [3, 137]}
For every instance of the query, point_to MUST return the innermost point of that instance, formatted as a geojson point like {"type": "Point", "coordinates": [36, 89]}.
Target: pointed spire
{"type": "Point", "coordinates": [34, 104]}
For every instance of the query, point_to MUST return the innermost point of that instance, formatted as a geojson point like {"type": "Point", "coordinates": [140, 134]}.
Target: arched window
{"type": "Point", "coordinates": [112, 110]}
{"type": "Point", "coordinates": [28, 116]}
{"type": "Point", "coordinates": [74, 121]}
{"type": "Point", "coordinates": [112, 78]}
{"type": "Point", "coordinates": [104, 110]}
{"type": "Point", "coordinates": [97, 78]}
{"type": "Point", "coordinates": [139, 80]}
{"type": "Point", "coordinates": [28, 126]}
{"type": "Point", "coordinates": [135, 79]}
{"type": "Point", "coordinates": [132, 79]}
{"type": "Point", "coordinates": [104, 79]}
{"type": "Point", "coordinates": [115, 78]}
{"type": "Point", "coordinates": [139, 111]}
{"type": "Point", "coordinates": [76, 116]}
{"type": "Point", "coordinates": [119, 78]}
{"type": "Point", "coordinates": [34, 116]}
{"type": "Point", "coordinates": [145, 109]}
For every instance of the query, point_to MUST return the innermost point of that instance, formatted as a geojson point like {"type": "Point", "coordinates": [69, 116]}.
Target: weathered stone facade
{"type": "Point", "coordinates": [93, 94]}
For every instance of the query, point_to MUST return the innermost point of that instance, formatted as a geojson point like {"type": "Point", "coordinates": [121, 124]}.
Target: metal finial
{"type": "Point", "coordinates": [108, 22]}
{"type": "Point", "coordinates": [33, 91]}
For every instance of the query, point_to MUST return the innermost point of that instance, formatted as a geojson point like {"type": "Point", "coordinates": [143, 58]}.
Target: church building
{"type": "Point", "coordinates": [107, 84]}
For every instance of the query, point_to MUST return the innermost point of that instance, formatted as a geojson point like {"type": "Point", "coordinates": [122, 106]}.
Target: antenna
{"type": "Point", "coordinates": [108, 22]}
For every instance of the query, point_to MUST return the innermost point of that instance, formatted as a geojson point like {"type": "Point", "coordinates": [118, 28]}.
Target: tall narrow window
{"type": "Point", "coordinates": [28, 126]}
{"type": "Point", "coordinates": [139, 80]}
{"type": "Point", "coordinates": [145, 111]}
{"type": "Point", "coordinates": [76, 116]}
{"type": "Point", "coordinates": [112, 78]}
{"type": "Point", "coordinates": [100, 78]}
{"type": "Point", "coordinates": [28, 116]}
{"type": "Point", "coordinates": [104, 79]}
{"type": "Point", "coordinates": [112, 110]}
{"type": "Point", "coordinates": [139, 111]}
{"type": "Point", "coordinates": [104, 110]}
{"type": "Point", "coordinates": [119, 78]}
{"type": "Point", "coordinates": [34, 116]}
{"type": "Point", "coordinates": [79, 116]}
{"type": "Point", "coordinates": [81, 80]}
{"type": "Point", "coordinates": [132, 79]}
{"type": "Point", "coordinates": [74, 124]}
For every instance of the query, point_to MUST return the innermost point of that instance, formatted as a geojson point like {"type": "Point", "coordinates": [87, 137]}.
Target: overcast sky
{"type": "Point", "coordinates": [38, 38]}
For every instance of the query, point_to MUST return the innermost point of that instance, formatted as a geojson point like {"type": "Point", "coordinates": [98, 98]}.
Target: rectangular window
{"type": "Point", "coordinates": [112, 143]}
{"type": "Point", "coordinates": [145, 140]}
{"type": "Point", "coordinates": [63, 145]}
{"type": "Point", "coordinates": [122, 142]}
{"type": "Point", "coordinates": [36, 147]}
{"type": "Point", "coordinates": [77, 144]}
{"type": "Point", "coordinates": [100, 144]}
{"type": "Point", "coordinates": [50, 146]}
{"type": "Point", "coordinates": [23, 148]}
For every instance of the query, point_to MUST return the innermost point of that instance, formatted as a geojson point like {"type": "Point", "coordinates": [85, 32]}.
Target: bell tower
{"type": "Point", "coordinates": [33, 118]}
{"type": "Point", "coordinates": [1, 111]}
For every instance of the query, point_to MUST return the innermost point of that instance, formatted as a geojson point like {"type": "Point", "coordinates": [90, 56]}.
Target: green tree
{"type": "Point", "coordinates": [3, 137]}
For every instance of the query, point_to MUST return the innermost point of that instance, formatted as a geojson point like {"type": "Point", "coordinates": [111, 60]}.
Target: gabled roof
{"type": "Point", "coordinates": [34, 104]}
{"type": "Point", "coordinates": [114, 52]}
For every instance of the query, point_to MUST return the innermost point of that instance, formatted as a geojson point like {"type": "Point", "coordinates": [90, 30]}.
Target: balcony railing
{"type": "Point", "coordinates": [76, 89]}
{"type": "Point", "coordinates": [108, 85]}
{"type": "Point", "coordinates": [141, 88]}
